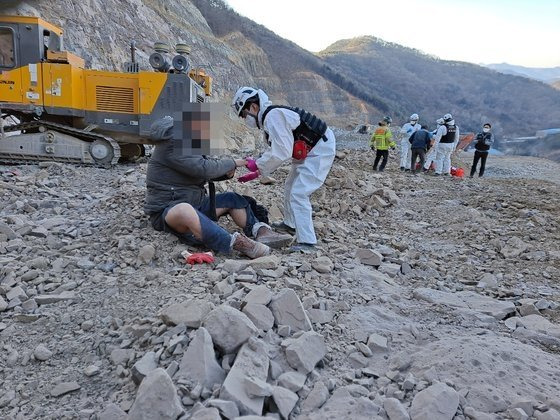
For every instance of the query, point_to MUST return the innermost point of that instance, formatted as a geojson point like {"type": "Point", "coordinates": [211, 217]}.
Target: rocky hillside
{"type": "Point", "coordinates": [353, 81]}
{"type": "Point", "coordinates": [429, 298]}
{"type": "Point", "coordinates": [410, 81]}
{"type": "Point", "coordinates": [232, 57]}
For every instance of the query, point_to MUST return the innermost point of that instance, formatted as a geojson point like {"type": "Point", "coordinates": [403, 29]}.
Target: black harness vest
{"type": "Point", "coordinates": [450, 136]}
{"type": "Point", "coordinates": [311, 128]}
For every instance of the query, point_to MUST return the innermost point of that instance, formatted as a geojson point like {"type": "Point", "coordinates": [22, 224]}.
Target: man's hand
{"type": "Point", "coordinates": [231, 174]}
{"type": "Point", "coordinates": [239, 163]}
{"type": "Point", "coordinates": [249, 177]}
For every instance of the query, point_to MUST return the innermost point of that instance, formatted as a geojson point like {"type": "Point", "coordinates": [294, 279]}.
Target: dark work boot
{"type": "Point", "coordinates": [283, 227]}
{"type": "Point", "coordinates": [273, 239]}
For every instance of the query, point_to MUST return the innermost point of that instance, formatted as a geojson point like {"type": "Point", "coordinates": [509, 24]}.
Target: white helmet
{"type": "Point", "coordinates": [414, 117]}
{"type": "Point", "coordinates": [440, 121]}
{"type": "Point", "coordinates": [447, 118]}
{"type": "Point", "coordinates": [241, 96]}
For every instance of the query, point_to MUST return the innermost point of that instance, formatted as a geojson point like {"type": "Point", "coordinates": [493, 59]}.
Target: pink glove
{"type": "Point", "coordinates": [251, 165]}
{"type": "Point", "coordinates": [249, 177]}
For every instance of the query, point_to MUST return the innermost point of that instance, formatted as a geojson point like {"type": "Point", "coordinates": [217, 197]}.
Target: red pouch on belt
{"type": "Point", "coordinates": [300, 150]}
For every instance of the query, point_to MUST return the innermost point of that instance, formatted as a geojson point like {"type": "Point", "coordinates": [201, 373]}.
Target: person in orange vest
{"type": "Point", "coordinates": [382, 140]}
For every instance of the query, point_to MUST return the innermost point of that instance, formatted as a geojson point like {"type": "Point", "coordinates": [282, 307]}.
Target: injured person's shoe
{"type": "Point", "coordinates": [248, 247]}
{"type": "Point", "coordinates": [283, 227]}
{"type": "Point", "coordinates": [267, 236]}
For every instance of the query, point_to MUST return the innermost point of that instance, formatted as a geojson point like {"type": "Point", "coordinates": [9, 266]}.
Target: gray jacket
{"type": "Point", "coordinates": [174, 177]}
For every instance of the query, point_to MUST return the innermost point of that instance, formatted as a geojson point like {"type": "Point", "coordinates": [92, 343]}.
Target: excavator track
{"type": "Point", "coordinates": [57, 143]}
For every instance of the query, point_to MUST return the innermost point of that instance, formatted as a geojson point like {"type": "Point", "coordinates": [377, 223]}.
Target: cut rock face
{"type": "Point", "coordinates": [229, 328]}
{"type": "Point", "coordinates": [288, 310]}
{"type": "Point", "coordinates": [199, 363]}
{"type": "Point", "coordinates": [156, 398]}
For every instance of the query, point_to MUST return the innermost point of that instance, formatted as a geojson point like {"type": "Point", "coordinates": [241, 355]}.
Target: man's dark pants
{"type": "Point", "coordinates": [380, 154]}
{"type": "Point", "coordinates": [417, 152]}
{"type": "Point", "coordinates": [482, 156]}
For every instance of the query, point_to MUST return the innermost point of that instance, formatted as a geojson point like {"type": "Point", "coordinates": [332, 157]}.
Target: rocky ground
{"type": "Point", "coordinates": [429, 298]}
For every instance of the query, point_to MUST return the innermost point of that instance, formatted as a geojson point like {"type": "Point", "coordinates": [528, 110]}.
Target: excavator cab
{"type": "Point", "coordinates": [63, 111]}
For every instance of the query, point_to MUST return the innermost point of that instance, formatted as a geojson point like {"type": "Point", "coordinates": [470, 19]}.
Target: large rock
{"type": "Point", "coordinates": [228, 409]}
{"type": "Point", "coordinates": [539, 324]}
{"type": "Point", "coordinates": [199, 362]}
{"type": "Point", "coordinates": [260, 315]}
{"type": "Point", "coordinates": [306, 351]}
{"type": "Point", "coordinates": [156, 398]}
{"type": "Point", "coordinates": [288, 310]}
{"type": "Point", "coordinates": [285, 400]}
{"type": "Point", "coordinates": [342, 405]}
{"type": "Point", "coordinates": [64, 388]}
{"type": "Point", "coordinates": [112, 412]}
{"type": "Point", "coordinates": [42, 353]}
{"type": "Point", "coordinates": [323, 264]}
{"type": "Point", "coordinates": [293, 381]}
{"type": "Point", "coordinates": [143, 367]}
{"type": "Point", "coordinates": [268, 262]}
{"type": "Point", "coordinates": [498, 309]}
{"type": "Point", "coordinates": [369, 257]}
{"type": "Point", "coordinates": [259, 295]}
{"type": "Point", "coordinates": [229, 328]}
{"type": "Point", "coordinates": [437, 402]}
{"type": "Point", "coordinates": [251, 362]}
{"type": "Point", "coordinates": [395, 410]}
{"type": "Point", "coordinates": [316, 398]}
{"type": "Point", "coordinates": [191, 313]}
{"type": "Point", "coordinates": [207, 414]}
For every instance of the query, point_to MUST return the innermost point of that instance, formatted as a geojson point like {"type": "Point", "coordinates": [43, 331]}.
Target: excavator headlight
{"type": "Point", "coordinates": [180, 63]}
{"type": "Point", "coordinates": [159, 62]}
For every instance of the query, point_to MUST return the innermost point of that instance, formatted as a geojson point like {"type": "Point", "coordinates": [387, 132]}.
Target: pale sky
{"type": "Point", "coordinates": [521, 32]}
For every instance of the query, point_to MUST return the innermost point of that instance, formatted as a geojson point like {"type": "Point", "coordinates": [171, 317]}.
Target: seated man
{"type": "Point", "coordinates": [177, 202]}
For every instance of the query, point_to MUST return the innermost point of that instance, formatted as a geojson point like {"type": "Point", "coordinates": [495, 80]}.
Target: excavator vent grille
{"type": "Point", "coordinates": [114, 99]}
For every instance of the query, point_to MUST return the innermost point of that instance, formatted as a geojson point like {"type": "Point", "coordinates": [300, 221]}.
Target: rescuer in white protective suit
{"type": "Point", "coordinates": [296, 135]}
{"type": "Point", "coordinates": [408, 130]}
{"type": "Point", "coordinates": [431, 156]}
{"type": "Point", "coordinates": [446, 140]}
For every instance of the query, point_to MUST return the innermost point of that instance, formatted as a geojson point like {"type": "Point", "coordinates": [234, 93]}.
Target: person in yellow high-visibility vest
{"type": "Point", "coordinates": [382, 140]}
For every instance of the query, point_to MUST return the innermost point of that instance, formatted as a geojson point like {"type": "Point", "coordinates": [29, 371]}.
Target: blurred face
{"type": "Point", "coordinates": [253, 109]}
{"type": "Point", "coordinates": [486, 128]}
{"type": "Point", "coordinates": [250, 115]}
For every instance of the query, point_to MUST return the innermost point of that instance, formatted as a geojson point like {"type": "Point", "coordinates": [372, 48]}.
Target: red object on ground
{"type": "Point", "coordinates": [198, 258]}
{"type": "Point", "coordinates": [248, 177]}
{"type": "Point", "coordinates": [460, 173]}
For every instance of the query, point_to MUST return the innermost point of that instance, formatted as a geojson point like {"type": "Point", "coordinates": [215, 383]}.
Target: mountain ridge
{"type": "Point", "coordinates": [544, 74]}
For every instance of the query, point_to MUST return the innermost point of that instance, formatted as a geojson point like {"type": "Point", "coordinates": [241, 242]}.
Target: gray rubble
{"type": "Point", "coordinates": [391, 317]}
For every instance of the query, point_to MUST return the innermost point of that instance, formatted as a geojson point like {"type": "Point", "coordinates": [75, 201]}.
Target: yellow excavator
{"type": "Point", "coordinates": [53, 108]}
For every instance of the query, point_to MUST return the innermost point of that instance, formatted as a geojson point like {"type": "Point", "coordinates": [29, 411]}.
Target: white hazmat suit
{"type": "Point", "coordinates": [444, 150]}
{"type": "Point", "coordinates": [305, 176]}
{"type": "Point", "coordinates": [407, 130]}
